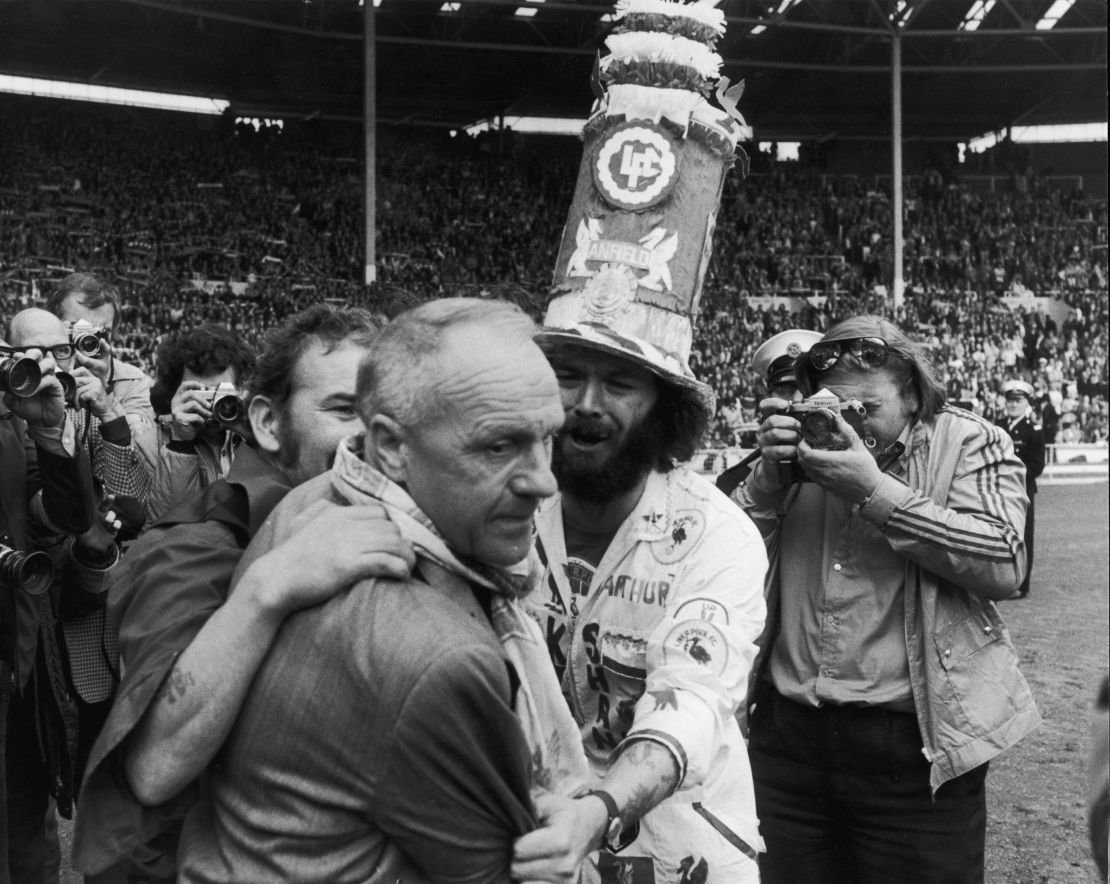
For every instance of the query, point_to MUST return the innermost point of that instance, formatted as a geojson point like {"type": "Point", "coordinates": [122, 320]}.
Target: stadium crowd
{"type": "Point", "coordinates": [203, 226]}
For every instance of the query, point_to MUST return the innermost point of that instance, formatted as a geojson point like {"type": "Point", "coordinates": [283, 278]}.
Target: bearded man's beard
{"type": "Point", "coordinates": [637, 455]}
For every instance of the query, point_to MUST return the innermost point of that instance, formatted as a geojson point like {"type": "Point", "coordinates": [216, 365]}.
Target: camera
{"type": "Point", "coordinates": [228, 408]}
{"type": "Point", "coordinates": [817, 416]}
{"type": "Point", "coordinates": [33, 572]}
{"type": "Point", "coordinates": [87, 339]}
{"type": "Point", "coordinates": [20, 376]}
{"type": "Point", "coordinates": [69, 387]}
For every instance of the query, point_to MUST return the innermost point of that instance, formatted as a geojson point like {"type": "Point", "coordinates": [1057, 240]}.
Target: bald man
{"type": "Point", "coordinates": [121, 481]}
{"type": "Point", "coordinates": [43, 474]}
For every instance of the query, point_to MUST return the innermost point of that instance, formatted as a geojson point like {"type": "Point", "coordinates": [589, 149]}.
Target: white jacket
{"type": "Point", "coordinates": [660, 648]}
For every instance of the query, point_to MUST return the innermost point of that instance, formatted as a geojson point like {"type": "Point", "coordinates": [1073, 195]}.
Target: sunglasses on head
{"type": "Point", "coordinates": [872, 352]}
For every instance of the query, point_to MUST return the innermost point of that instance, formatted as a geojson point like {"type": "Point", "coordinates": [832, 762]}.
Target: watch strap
{"type": "Point", "coordinates": [611, 809]}
{"type": "Point", "coordinates": [616, 837]}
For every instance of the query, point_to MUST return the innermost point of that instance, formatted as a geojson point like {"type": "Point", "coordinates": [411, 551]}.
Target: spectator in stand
{"type": "Point", "coordinates": [454, 217]}
{"type": "Point", "coordinates": [196, 450]}
{"type": "Point", "coordinates": [1025, 430]}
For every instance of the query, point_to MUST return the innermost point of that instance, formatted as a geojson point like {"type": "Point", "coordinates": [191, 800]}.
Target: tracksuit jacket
{"type": "Point", "coordinates": [958, 519]}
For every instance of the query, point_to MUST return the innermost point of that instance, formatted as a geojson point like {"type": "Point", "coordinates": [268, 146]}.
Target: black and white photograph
{"type": "Point", "coordinates": [571, 441]}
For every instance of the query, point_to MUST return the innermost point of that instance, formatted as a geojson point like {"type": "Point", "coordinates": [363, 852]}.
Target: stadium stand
{"type": "Point", "coordinates": [207, 222]}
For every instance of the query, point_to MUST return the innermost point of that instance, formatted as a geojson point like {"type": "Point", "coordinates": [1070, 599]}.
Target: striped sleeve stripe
{"type": "Point", "coordinates": [668, 742]}
{"type": "Point", "coordinates": [987, 546]}
{"type": "Point", "coordinates": [987, 481]}
{"type": "Point", "coordinates": [621, 669]}
{"type": "Point", "coordinates": [989, 489]}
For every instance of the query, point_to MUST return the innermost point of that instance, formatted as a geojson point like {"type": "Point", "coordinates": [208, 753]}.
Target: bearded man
{"type": "Point", "coordinates": [651, 603]}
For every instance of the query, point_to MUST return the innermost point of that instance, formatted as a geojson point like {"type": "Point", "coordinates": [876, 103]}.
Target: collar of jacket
{"type": "Point", "coordinates": [355, 481]}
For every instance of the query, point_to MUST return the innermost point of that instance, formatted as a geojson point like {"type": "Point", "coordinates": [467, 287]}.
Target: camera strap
{"type": "Point", "coordinates": [891, 455]}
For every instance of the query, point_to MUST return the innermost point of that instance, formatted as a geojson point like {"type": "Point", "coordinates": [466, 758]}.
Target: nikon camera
{"type": "Point", "coordinates": [86, 338]}
{"type": "Point", "coordinates": [817, 415]}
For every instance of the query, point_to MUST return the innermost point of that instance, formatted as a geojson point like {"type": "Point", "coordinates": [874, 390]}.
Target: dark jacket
{"type": "Point", "coordinates": [1029, 446]}
{"type": "Point", "coordinates": [167, 586]}
{"type": "Point", "coordinates": [28, 643]}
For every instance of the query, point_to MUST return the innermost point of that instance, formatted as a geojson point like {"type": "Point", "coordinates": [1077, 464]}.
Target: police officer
{"type": "Point", "coordinates": [773, 361]}
{"type": "Point", "coordinates": [1021, 422]}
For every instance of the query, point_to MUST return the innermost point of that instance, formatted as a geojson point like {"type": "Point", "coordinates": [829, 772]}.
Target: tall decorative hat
{"type": "Point", "coordinates": [639, 233]}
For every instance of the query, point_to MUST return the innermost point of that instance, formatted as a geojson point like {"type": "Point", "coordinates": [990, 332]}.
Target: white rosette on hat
{"type": "Point", "coordinates": [639, 232]}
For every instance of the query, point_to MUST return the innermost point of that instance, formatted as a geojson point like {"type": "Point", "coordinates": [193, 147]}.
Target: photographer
{"type": "Point", "coordinates": [90, 308]}
{"type": "Point", "coordinates": [196, 450]}
{"type": "Point", "coordinates": [886, 677]}
{"type": "Point", "coordinates": [774, 362]}
{"type": "Point", "coordinates": [101, 426]}
{"type": "Point", "coordinates": [121, 482]}
{"type": "Point", "coordinates": [44, 482]}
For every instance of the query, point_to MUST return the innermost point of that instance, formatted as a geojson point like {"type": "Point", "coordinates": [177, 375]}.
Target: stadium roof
{"type": "Point", "coordinates": [814, 69]}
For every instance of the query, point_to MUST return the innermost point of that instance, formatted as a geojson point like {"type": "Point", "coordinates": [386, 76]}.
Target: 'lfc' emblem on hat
{"type": "Point", "coordinates": [637, 166]}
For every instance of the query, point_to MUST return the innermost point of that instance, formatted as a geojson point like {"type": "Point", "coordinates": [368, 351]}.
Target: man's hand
{"type": "Point", "coordinates": [99, 366]}
{"type": "Point", "coordinates": [570, 828]}
{"type": "Point", "coordinates": [93, 394]}
{"type": "Point", "coordinates": [189, 410]}
{"type": "Point", "coordinates": [47, 408]}
{"type": "Point", "coordinates": [777, 437]}
{"type": "Point", "coordinates": [851, 474]}
{"type": "Point", "coordinates": [95, 543]}
{"type": "Point", "coordinates": [332, 547]}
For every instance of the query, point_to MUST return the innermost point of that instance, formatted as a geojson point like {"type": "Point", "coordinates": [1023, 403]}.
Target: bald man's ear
{"type": "Point", "coordinates": [387, 448]}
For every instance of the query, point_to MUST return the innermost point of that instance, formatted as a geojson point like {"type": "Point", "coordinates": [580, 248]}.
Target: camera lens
{"type": "Point", "coordinates": [819, 428]}
{"type": "Point", "coordinates": [69, 386]}
{"type": "Point", "coordinates": [20, 377]}
{"type": "Point", "coordinates": [31, 572]}
{"type": "Point", "coordinates": [227, 409]}
{"type": "Point", "coordinates": [88, 344]}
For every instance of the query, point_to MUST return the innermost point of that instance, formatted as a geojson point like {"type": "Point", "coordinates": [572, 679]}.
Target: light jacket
{"type": "Point", "coordinates": [183, 469]}
{"type": "Point", "coordinates": [131, 387]}
{"type": "Point", "coordinates": [959, 521]}
{"type": "Point", "coordinates": [660, 648]}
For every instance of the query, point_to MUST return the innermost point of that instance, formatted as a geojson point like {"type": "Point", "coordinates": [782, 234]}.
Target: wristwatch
{"type": "Point", "coordinates": [616, 837]}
